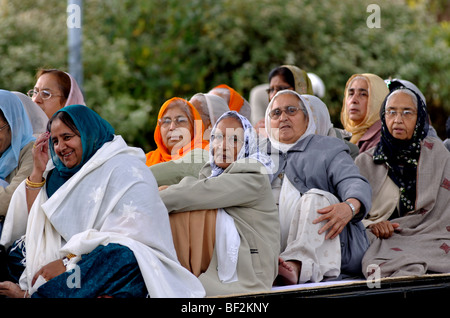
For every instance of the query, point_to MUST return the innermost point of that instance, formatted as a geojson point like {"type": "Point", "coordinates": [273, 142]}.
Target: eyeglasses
{"type": "Point", "coordinates": [4, 126]}
{"type": "Point", "coordinates": [45, 94]}
{"type": "Point", "coordinates": [289, 110]}
{"type": "Point", "coordinates": [231, 139]}
{"type": "Point", "coordinates": [406, 114]}
{"type": "Point", "coordinates": [276, 89]}
{"type": "Point", "coordinates": [178, 121]}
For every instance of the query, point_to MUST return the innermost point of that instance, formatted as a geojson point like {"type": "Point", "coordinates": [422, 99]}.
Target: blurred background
{"type": "Point", "coordinates": [136, 54]}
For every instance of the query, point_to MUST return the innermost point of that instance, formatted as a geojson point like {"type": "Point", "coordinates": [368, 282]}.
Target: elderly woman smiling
{"type": "Point", "coordinates": [321, 195]}
{"type": "Point", "coordinates": [409, 172]}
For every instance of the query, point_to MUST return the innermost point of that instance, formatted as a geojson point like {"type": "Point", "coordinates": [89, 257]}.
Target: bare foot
{"type": "Point", "coordinates": [288, 272]}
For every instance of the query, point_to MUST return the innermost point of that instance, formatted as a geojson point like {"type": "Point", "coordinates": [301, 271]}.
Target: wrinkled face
{"type": "Point", "coordinates": [5, 135]}
{"type": "Point", "coordinates": [177, 130]}
{"type": "Point", "coordinates": [288, 127]}
{"type": "Point", "coordinates": [357, 100]}
{"type": "Point", "coordinates": [228, 141]}
{"type": "Point", "coordinates": [66, 143]}
{"type": "Point", "coordinates": [401, 116]}
{"type": "Point", "coordinates": [48, 82]}
{"type": "Point", "coordinates": [277, 83]}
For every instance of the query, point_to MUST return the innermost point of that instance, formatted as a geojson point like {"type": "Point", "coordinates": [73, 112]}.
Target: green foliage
{"type": "Point", "coordinates": [137, 54]}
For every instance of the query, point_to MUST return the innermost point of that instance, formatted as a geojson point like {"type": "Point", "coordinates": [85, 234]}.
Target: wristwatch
{"type": "Point", "coordinates": [351, 207]}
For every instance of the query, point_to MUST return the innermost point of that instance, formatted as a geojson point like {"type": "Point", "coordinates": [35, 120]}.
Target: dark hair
{"type": "Point", "coordinates": [2, 116]}
{"type": "Point", "coordinates": [285, 73]}
{"type": "Point", "coordinates": [62, 79]}
{"type": "Point", "coordinates": [66, 119]}
{"type": "Point", "coordinates": [447, 127]}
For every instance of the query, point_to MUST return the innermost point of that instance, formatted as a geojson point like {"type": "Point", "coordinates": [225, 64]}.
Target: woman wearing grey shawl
{"type": "Point", "coordinates": [321, 195]}
{"type": "Point", "coordinates": [409, 172]}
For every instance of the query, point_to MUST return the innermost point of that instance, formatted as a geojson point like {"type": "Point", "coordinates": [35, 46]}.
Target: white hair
{"type": "Point", "coordinates": [406, 91]}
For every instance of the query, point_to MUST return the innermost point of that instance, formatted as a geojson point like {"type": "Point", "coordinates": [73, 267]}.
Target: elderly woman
{"type": "Point", "coordinates": [179, 137]}
{"type": "Point", "coordinates": [91, 216]}
{"type": "Point", "coordinates": [16, 144]}
{"type": "Point", "coordinates": [55, 89]}
{"type": "Point", "coordinates": [364, 94]}
{"type": "Point", "coordinates": [409, 172]}
{"type": "Point", "coordinates": [242, 251]}
{"type": "Point", "coordinates": [320, 193]}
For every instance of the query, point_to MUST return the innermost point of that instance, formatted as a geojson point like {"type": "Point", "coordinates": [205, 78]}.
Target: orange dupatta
{"type": "Point", "coordinates": [236, 100]}
{"type": "Point", "coordinates": [162, 154]}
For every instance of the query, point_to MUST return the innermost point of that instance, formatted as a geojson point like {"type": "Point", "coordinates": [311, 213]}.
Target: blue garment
{"type": "Point", "coordinates": [324, 163]}
{"type": "Point", "coordinates": [110, 270]}
{"type": "Point", "coordinates": [94, 132]}
{"type": "Point", "coordinates": [21, 131]}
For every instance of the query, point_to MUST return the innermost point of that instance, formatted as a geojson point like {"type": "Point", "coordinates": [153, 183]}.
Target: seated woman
{"type": "Point", "coordinates": [409, 172]}
{"type": "Point", "coordinates": [210, 108]}
{"type": "Point", "coordinates": [55, 89]}
{"type": "Point", "coordinates": [16, 144]}
{"type": "Point", "coordinates": [91, 216]}
{"type": "Point", "coordinates": [280, 78]}
{"type": "Point", "coordinates": [233, 246]}
{"type": "Point", "coordinates": [234, 100]}
{"type": "Point", "coordinates": [181, 147]}
{"type": "Point", "coordinates": [364, 94]}
{"type": "Point", "coordinates": [320, 193]}
{"type": "Point", "coordinates": [324, 126]}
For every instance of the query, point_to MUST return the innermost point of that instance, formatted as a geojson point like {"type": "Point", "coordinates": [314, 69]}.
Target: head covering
{"type": "Point", "coordinates": [250, 148]}
{"type": "Point", "coordinates": [236, 101]}
{"type": "Point", "coordinates": [377, 92]}
{"type": "Point", "coordinates": [402, 156]}
{"type": "Point", "coordinates": [75, 96]}
{"type": "Point", "coordinates": [94, 132]}
{"type": "Point", "coordinates": [320, 114]}
{"type": "Point", "coordinates": [210, 106]}
{"type": "Point", "coordinates": [310, 130]}
{"type": "Point", "coordinates": [302, 81]}
{"type": "Point", "coordinates": [317, 84]}
{"type": "Point", "coordinates": [162, 154]}
{"type": "Point", "coordinates": [36, 115]}
{"type": "Point", "coordinates": [21, 131]}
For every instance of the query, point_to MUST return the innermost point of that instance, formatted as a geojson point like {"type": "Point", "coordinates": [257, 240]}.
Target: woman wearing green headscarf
{"type": "Point", "coordinates": [91, 216]}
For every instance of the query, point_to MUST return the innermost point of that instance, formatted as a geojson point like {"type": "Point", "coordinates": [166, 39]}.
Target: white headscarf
{"type": "Point", "coordinates": [310, 130]}
{"type": "Point", "coordinates": [320, 115]}
{"type": "Point", "coordinates": [37, 116]}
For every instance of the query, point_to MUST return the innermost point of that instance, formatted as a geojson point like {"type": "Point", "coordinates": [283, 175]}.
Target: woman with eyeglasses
{"type": "Point", "coordinates": [364, 94]}
{"type": "Point", "coordinates": [409, 171]}
{"type": "Point", "coordinates": [16, 144]}
{"type": "Point", "coordinates": [55, 89]}
{"type": "Point", "coordinates": [320, 193]}
{"type": "Point", "coordinates": [224, 221]}
{"type": "Point", "coordinates": [181, 145]}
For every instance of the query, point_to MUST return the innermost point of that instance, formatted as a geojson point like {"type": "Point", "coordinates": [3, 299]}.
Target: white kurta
{"type": "Point", "coordinates": [112, 199]}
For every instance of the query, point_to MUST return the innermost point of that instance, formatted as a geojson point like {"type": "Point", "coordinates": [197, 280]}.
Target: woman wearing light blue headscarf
{"type": "Point", "coordinates": [235, 183]}
{"type": "Point", "coordinates": [16, 144]}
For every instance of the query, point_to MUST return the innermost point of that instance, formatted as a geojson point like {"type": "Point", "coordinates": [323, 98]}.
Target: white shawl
{"type": "Point", "coordinates": [112, 199]}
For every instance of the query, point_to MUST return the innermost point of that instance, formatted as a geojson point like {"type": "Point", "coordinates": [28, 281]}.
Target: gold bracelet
{"type": "Point", "coordinates": [32, 184]}
{"type": "Point", "coordinates": [70, 256]}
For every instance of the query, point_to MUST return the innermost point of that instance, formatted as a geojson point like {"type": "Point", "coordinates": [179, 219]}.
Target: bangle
{"type": "Point", "coordinates": [351, 207]}
{"type": "Point", "coordinates": [35, 185]}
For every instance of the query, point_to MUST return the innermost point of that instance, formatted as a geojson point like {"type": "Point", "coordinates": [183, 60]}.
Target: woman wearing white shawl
{"type": "Point", "coordinates": [243, 253]}
{"type": "Point", "coordinates": [314, 176]}
{"type": "Point", "coordinates": [101, 203]}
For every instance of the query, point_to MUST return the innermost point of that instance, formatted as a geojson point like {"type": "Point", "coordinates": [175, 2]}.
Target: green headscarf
{"type": "Point", "coordinates": [94, 132]}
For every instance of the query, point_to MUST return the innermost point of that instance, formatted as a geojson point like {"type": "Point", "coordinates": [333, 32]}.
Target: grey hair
{"type": "Point", "coordinates": [184, 107]}
{"type": "Point", "coordinates": [403, 90]}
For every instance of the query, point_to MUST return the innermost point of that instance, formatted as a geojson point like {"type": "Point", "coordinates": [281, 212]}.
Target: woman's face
{"type": "Point", "coordinates": [48, 82]}
{"type": "Point", "coordinates": [277, 83]}
{"type": "Point", "coordinates": [176, 129]}
{"type": "Point", "coordinates": [288, 128]}
{"type": "Point", "coordinates": [66, 143]}
{"type": "Point", "coordinates": [357, 100]}
{"type": "Point", "coordinates": [401, 116]}
{"type": "Point", "coordinates": [228, 141]}
{"type": "Point", "coordinates": [5, 136]}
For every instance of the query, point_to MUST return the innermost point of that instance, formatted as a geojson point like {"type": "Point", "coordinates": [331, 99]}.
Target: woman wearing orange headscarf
{"type": "Point", "coordinates": [360, 114]}
{"type": "Point", "coordinates": [179, 132]}
{"type": "Point", "coordinates": [235, 101]}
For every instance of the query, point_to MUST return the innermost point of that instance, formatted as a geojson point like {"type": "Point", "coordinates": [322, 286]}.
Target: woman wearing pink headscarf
{"type": "Point", "coordinates": [55, 89]}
